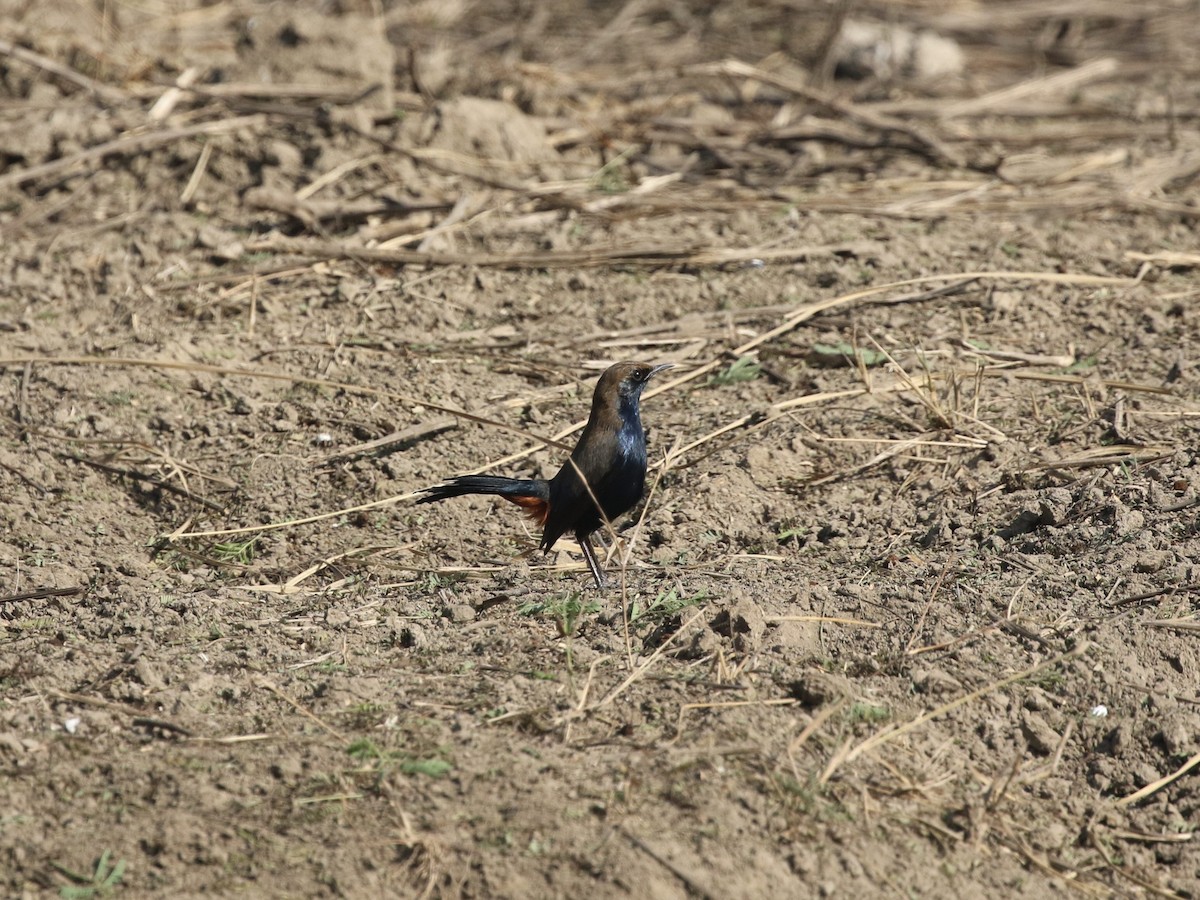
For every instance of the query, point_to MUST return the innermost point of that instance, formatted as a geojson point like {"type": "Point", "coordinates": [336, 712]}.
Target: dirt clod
{"type": "Point", "coordinates": [1042, 739]}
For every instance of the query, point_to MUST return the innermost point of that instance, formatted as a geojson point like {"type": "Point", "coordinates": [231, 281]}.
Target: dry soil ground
{"type": "Point", "coordinates": [911, 609]}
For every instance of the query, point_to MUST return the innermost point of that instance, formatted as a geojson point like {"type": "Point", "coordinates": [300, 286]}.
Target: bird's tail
{"type": "Point", "coordinates": [531, 494]}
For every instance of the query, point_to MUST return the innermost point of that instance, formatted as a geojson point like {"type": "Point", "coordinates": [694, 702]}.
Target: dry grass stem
{"type": "Point", "coordinates": [640, 671]}
{"type": "Point", "coordinates": [1188, 624]}
{"type": "Point", "coordinates": [326, 727]}
{"type": "Point", "coordinates": [105, 92]}
{"type": "Point", "coordinates": [827, 712]}
{"type": "Point", "coordinates": [127, 145]}
{"type": "Point", "coordinates": [1181, 260]}
{"type": "Point", "coordinates": [837, 620]}
{"type": "Point", "coordinates": [937, 586]}
{"type": "Point", "coordinates": [1060, 82]}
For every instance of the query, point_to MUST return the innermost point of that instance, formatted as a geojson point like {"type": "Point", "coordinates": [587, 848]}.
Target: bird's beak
{"type": "Point", "coordinates": [658, 369]}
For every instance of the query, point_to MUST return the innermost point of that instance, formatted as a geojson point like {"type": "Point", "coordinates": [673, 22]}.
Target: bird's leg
{"type": "Point", "coordinates": [605, 549]}
{"type": "Point", "coordinates": [589, 554]}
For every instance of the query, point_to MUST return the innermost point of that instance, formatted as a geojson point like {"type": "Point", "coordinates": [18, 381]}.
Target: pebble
{"type": "Point", "coordinates": [934, 681]}
{"type": "Point", "coordinates": [1150, 561]}
{"type": "Point", "coordinates": [459, 612]}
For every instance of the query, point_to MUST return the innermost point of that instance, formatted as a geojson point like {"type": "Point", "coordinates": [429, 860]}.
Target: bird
{"type": "Point", "coordinates": [602, 479]}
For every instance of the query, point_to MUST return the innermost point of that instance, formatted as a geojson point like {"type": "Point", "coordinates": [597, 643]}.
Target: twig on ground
{"type": "Point", "coordinates": [128, 144]}
{"type": "Point", "coordinates": [105, 92]}
{"type": "Point", "coordinates": [652, 255]}
{"type": "Point", "coordinates": [926, 143]}
{"type": "Point", "coordinates": [409, 435]}
{"type": "Point", "coordinates": [1059, 82]}
{"type": "Point", "coordinates": [837, 620]}
{"type": "Point", "coordinates": [43, 593]}
{"type": "Point", "coordinates": [142, 476]}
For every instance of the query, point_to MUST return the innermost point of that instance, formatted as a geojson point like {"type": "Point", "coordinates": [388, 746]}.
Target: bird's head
{"type": "Point", "coordinates": [625, 381]}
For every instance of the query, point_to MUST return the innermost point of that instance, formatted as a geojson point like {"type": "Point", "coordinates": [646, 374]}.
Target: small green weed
{"type": "Point", "coordinates": [239, 552]}
{"type": "Point", "coordinates": [665, 605]}
{"type": "Point", "coordinates": [795, 531]}
{"type": "Point", "coordinates": [372, 756]}
{"type": "Point", "coordinates": [1051, 680]}
{"type": "Point", "coordinates": [433, 582]}
{"type": "Point", "coordinates": [566, 611]}
{"type": "Point", "coordinates": [745, 368]}
{"type": "Point", "coordinates": [100, 883]}
{"type": "Point", "coordinates": [842, 353]}
{"type": "Point", "coordinates": [869, 713]}
{"type": "Point", "coordinates": [611, 177]}
{"type": "Point", "coordinates": [432, 767]}
{"type": "Point", "coordinates": [809, 799]}
{"type": "Point", "coordinates": [1086, 364]}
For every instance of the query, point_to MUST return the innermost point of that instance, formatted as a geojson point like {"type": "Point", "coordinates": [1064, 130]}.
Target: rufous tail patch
{"type": "Point", "coordinates": [535, 507]}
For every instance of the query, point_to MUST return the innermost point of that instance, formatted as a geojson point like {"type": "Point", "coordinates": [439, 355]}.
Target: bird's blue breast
{"type": "Point", "coordinates": [627, 476]}
{"type": "Point", "coordinates": [631, 439]}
